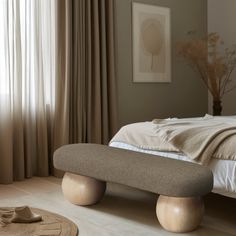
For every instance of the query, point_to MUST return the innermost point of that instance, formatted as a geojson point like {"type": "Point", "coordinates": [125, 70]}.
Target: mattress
{"type": "Point", "coordinates": [224, 171]}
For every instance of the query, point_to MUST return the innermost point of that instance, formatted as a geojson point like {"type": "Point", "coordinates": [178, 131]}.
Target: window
{"type": "Point", "coordinates": [27, 50]}
{"type": "Point", "coordinates": [4, 86]}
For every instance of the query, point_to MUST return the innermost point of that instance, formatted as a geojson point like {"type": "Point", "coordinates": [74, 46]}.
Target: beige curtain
{"type": "Point", "coordinates": [55, 87]}
{"type": "Point", "coordinates": [27, 71]}
{"type": "Point", "coordinates": [86, 106]}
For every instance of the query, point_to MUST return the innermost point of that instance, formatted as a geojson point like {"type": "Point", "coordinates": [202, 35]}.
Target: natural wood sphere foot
{"type": "Point", "coordinates": [179, 215]}
{"type": "Point", "coordinates": [81, 190]}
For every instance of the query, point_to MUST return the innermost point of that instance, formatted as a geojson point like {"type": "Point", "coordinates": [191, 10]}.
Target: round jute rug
{"type": "Point", "coordinates": [51, 225]}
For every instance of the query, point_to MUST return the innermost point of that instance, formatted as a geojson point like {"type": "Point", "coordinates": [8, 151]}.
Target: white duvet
{"type": "Point", "coordinates": [224, 170]}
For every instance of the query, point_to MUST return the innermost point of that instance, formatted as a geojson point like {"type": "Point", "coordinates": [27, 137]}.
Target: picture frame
{"type": "Point", "coordinates": [151, 40]}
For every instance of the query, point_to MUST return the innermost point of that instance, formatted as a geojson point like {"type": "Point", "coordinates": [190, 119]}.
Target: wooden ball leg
{"type": "Point", "coordinates": [81, 190]}
{"type": "Point", "coordinates": [179, 215]}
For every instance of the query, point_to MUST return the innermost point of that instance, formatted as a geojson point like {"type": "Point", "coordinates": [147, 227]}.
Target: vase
{"type": "Point", "coordinates": [217, 108]}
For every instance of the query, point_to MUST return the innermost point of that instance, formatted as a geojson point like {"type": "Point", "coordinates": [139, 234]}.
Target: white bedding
{"type": "Point", "coordinates": [224, 170]}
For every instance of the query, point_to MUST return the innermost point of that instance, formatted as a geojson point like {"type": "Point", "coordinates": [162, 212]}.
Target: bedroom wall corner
{"type": "Point", "coordinates": [186, 95]}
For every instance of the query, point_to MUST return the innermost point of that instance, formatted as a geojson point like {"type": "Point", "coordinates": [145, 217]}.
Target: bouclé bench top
{"type": "Point", "coordinates": [139, 170]}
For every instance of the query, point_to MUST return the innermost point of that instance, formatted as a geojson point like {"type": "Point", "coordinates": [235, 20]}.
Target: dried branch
{"type": "Point", "coordinates": [229, 90]}
{"type": "Point", "coordinates": [214, 66]}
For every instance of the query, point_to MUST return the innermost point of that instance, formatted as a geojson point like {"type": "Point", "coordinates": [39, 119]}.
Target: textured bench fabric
{"type": "Point", "coordinates": [143, 171]}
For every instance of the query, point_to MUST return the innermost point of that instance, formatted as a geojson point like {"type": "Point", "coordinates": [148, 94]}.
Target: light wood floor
{"type": "Point", "coordinates": [122, 212]}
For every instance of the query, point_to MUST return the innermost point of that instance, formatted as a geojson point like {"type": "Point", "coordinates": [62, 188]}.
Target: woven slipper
{"type": "Point", "coordinates": [25, 215]}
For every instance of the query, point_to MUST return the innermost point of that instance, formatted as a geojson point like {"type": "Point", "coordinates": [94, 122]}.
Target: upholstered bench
{"type": "Point", "coordinates": [180, 184]}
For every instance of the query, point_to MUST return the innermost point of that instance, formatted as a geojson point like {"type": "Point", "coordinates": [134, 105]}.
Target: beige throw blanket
{"type": "Point", "coordinates": [142, 135]}
{"type": "Point", "coordinates": [201, 141]}
{"type": "Point", "coordinates": [198, 138]}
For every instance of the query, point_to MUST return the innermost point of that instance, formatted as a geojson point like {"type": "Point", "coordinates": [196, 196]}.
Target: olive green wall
{"type": "Point", "coordinates": [185, 96]}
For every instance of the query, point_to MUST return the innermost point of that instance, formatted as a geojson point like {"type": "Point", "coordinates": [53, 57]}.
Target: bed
{"type": "Point", "coordinates": [224, 171]}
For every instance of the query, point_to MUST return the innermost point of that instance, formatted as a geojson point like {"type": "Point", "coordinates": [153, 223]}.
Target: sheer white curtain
{"type": "Point", "coordinates": [27, 87]}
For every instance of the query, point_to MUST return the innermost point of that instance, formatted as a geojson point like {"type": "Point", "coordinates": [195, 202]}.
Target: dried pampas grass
{"type": "Point", "coordinates": [212, 61]}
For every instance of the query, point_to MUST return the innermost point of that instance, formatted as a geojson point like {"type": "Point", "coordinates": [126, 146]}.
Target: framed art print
{"type": "Point", "coordinates": [151, 43]}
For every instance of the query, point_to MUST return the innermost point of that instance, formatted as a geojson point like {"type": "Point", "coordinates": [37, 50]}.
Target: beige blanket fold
{"type": "Point", "coordinates": [200, 139]}
{"type": "Point", "coordinates": [142, 135]}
